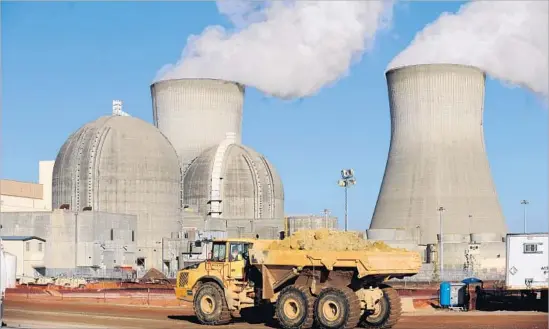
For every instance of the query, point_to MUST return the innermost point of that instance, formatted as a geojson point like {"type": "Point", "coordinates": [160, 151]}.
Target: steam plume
{"type": "Point", "coordinates": [507, 39]}
{"type": "Point", "coordinates": [284, 49]}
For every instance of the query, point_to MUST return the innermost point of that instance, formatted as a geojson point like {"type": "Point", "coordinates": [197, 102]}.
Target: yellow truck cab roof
{"type": "Point", "coordinates": [245, 240]}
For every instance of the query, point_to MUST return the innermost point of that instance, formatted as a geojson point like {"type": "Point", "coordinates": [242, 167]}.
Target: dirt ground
{"type": "Point", "coordinates": [36, 314]}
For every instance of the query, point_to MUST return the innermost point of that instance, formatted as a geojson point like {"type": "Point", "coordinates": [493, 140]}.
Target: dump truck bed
{"type": "Point", "coordinates": [370, 262]}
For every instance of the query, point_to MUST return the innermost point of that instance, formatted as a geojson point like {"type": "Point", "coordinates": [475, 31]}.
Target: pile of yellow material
{"type": "Point", "coordinates": [328, 240]}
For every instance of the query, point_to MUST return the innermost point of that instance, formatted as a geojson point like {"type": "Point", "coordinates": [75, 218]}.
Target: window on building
{"type": "Point", "coordinates": [532, 248]}
{"type": "Point", "coordinates": [27, 246]}
{"type": "Point", "coordinates": [112, 234]}
{"type": "Point", "coordinates": [40, 246]}
{"type": "Point", "coordinates": [140, 262]}
{"type": "Point", "coordinates": [133, 235]}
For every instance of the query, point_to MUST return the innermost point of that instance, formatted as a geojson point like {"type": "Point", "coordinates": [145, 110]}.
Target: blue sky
{"type": "Point", "coordinates": [63, 63]}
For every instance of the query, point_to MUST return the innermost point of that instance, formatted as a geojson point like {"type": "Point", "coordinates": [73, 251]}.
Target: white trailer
{"type": "Point", "coordinates": [8, 267]}
{"type": "Point", "coordinates": [527, 266]}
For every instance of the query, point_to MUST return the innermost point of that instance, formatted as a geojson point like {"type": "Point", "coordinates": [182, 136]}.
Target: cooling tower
{"type": "Point", "coordinates": [437, 156]}
{"type": "Point", "coordinates": [196, 114]}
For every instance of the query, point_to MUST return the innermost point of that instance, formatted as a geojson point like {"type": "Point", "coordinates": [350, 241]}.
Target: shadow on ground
{"type": "Point", "coordinates": [511, 303]}
{"type": "Point", "coordinates": [188, 318]}
{"type": "Point", "coordinates": [271, 323]}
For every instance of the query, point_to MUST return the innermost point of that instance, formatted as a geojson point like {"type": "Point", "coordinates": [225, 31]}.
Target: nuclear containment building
{"type": "Point", "coordinates": [122, 165]}
{"type": "Point", "coordinates": [437, 167]}
{"type": "Point", "coordinates": [222, 178]}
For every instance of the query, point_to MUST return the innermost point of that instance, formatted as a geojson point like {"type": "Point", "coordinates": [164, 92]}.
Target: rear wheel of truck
{"type": "Point", "coordinates": [294, 308]}
{"type": "Point", "coordinates": [386, 313]}
{"type": "Point", "coordinates": [210, 305]}
{"type": "Point", "coordinates": [337, 308]}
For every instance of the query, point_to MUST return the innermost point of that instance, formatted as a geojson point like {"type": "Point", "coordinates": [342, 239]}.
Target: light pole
{"type": "Point", "coordinates": [348, 180]}
{"type": "Point", "coordinates": [326, 213]}
{"type": "Point", "coordinates": [524, 203]}
{"type": "Point", "coordinates": [441, 247]}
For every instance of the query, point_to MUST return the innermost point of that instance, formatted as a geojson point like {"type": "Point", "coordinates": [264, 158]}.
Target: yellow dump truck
{"type": "Point", "coordinates": [301, 288]}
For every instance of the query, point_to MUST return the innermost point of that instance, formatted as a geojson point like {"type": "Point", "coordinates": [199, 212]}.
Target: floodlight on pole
{"type": "Point", "coordinates": [348, 180]}
{"type": "Point", "coordinates": [441, 245]}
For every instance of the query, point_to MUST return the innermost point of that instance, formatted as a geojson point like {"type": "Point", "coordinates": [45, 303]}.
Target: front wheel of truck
{"type": "Point", "coordinates": [386, 313]}
{"type": "Point", "coordinates": [210, 305]}
{"type": "Point", "coordinates": [294, 308]}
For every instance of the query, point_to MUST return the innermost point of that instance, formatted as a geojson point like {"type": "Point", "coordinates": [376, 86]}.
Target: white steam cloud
{"type": "Point", "coordinates": [507, 39]}
{"type": "Point", "coordinates": [285, 49]}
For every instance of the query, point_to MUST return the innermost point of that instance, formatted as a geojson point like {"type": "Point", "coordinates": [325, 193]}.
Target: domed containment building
{"type": "Point", "coordinates": [231, 180]}
{"type": "Point", "coordinates": [121, 164]}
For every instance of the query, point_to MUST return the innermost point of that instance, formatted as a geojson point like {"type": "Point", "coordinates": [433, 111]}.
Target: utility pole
{"type": "Point", "coordinates": [326, 213]}
{"type": "Point", "coordinates": [441, 243]}
{"type": "Point", "coordinates": [348, 180]}
{"type": "Point", "coordinates": [524, 203]}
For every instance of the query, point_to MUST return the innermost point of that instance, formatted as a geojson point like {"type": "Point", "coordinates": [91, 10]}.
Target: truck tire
{"type": "Point", "coordinates": [210, 305]}
{"type": "Point", "coordinates": [294, 308]}
{"type": "Point", "coordinates": [337, 308]}
{"type": "Point", "coordinates": [387, 313]}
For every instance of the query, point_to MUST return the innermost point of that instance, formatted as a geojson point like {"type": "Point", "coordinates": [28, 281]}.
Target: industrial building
{"type": "Point", "coordinates": [126, 193]}
{"type": "Point", "coordinates": [184, 174]}
{"type": "Point", "coordinates": [221, 178]}
{"type": "Point", "coordinates": [296, 223]}
{"type": "Point", "coordinates": [196, 114]}
{"type": "Point", "coordinates": [26, 196]}
{"type": "Point", "coordinates": [29, 251]}
{"type": "Point", "coordinates": [85, 243]}
{"type": "Point", "coordinates": [437, 169]}
{"type": "Point", "coordinates": [124, 165]}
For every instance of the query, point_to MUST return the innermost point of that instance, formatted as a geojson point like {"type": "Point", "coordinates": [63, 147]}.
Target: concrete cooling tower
{"type": "Point", "coordinates": [196, 114]}
{"type": "Point", "coordinates": [121, 164]}
{"type": "Point", "coordinates": [437, 156]}
{"type": "Point", "coordinates": [233, 181]}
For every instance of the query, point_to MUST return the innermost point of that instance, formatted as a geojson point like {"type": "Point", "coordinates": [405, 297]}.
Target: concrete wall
{"type": "Point", "coordinates": [10, 203]}
{"type": "Point", "coordinates": [310, 222]}
{"type": "Point", "coordinates": [30, 254]}
{"type": "Point", "coordinates": [77, 239]}
{"type": "Point", "coordinates": [461, 252]}
{"type": "Point", "coordinates": [236, 227]}
{"type": "Point", "coordinates": [45, 179]}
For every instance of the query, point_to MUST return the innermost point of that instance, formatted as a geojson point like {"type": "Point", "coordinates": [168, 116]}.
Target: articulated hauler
{"type": "Point", "coordinates": [301, 288]}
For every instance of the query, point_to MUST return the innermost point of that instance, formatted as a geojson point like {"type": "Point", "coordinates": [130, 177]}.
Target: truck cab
{"type": "Point", "coordinates": [225, 264]}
